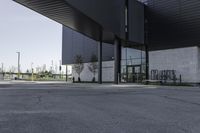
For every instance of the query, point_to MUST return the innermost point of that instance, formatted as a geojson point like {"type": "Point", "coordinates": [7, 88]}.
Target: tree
{"type": "Point", "coordinates": [93, 66]}
{"type": "Point", "coordinates": [78, 66]}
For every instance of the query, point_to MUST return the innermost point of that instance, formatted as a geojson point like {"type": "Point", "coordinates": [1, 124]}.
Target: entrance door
{"type": "Point", "coordinates": [133, 73]}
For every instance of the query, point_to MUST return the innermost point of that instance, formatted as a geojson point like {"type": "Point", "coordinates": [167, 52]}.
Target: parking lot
{"type": "Point", "coordinates": [91, 108]}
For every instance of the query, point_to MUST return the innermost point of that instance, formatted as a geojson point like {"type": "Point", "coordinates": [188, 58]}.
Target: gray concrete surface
{"type": "Point", "coordinates": [77, 108]}
{"type": "Point", "coordinates": [184, 60]}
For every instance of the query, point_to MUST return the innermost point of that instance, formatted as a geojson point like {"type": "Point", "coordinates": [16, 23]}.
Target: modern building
{"type": "Point", "coordinates": [134, 40]}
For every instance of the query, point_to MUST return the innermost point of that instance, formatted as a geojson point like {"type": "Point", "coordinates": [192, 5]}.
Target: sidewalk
{"type": "Point", "coordinates": [70, 84]}
{"type": "Point", "coordinates": [87, 85]}
{"type": "Point", "coordinates": [12, 82]}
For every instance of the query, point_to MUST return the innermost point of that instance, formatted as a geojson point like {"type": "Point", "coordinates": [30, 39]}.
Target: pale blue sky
{"type": "Point", "coordinates": [38, 38]}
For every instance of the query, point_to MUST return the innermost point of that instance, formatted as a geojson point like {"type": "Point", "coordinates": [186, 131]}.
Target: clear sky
{"type": "Point", "coordinates": [38, 38]}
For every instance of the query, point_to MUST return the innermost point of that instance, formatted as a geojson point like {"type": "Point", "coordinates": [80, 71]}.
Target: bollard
{"type": "Point", "coordinates": [180, 78]}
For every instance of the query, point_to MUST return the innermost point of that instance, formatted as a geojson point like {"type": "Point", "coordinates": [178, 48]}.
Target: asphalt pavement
{"type": "Point", "coordinates": [91, 108]}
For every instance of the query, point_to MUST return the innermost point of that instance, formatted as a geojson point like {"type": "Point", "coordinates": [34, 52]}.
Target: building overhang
{"type": "Point", "coordinates": [97, 19]}
{"type": "Point", "coordinates": [65, 14]}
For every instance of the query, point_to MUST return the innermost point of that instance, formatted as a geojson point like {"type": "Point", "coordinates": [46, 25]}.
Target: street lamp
{"type": "Point", "coordinates": [32, 71]}
{"type": "Point", "coordinates": [60, 69]}
{"type": "Point", "coordinates": [18, 53]}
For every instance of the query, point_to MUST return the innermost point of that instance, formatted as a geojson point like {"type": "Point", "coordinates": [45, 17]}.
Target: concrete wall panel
{"type": "Point", "coordinates": [184, 60]}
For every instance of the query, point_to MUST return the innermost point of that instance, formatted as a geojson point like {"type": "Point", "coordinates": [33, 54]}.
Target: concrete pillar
{"type": "Point", "coordinates": [100, 60]}
{"type": "Point", "coordinates": [117, 60]}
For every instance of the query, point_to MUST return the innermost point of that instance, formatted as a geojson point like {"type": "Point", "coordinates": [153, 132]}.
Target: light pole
{"type": "Point", "coordinates": [60, 69]}
{"type": "Point", "coordinates": [32, 71]}
{"type": "Point", "coordinates": [2, 67]}
{"type": "Point", "coordinates": [18, 53]}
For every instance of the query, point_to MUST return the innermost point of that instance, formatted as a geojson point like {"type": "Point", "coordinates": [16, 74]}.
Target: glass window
{"type": "Point", "coordinates": [133, 64]}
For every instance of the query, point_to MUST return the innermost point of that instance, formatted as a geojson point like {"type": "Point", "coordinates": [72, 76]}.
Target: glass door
{"type": "Point", "coordinates": [133, 74]}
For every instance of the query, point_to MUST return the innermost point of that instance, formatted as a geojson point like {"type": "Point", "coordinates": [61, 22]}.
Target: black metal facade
{"type": "Point", "coordinates": [109, 14]}
{"type": "Point", "coordinates": [135, 21]}
{"type": "Point", "coordinates": [173, 23]}
{"type": "Point", "coordinates": [75, 43]}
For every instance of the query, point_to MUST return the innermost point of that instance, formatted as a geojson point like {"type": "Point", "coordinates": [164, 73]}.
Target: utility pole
{"type": "Point", "coordinates": [2, 67]}
{"type": "Point", "coordinates": [32, 71]}
{"type": "Point", "coordinates": [52, 68]}
{"type": "Point", "coordinates": [18, 53]}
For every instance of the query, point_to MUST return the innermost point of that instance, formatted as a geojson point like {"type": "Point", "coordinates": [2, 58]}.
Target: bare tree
{"type": "Point", "coordinates": [78, 66]}
{"type": "Point", "coordinates": [93, 66]}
